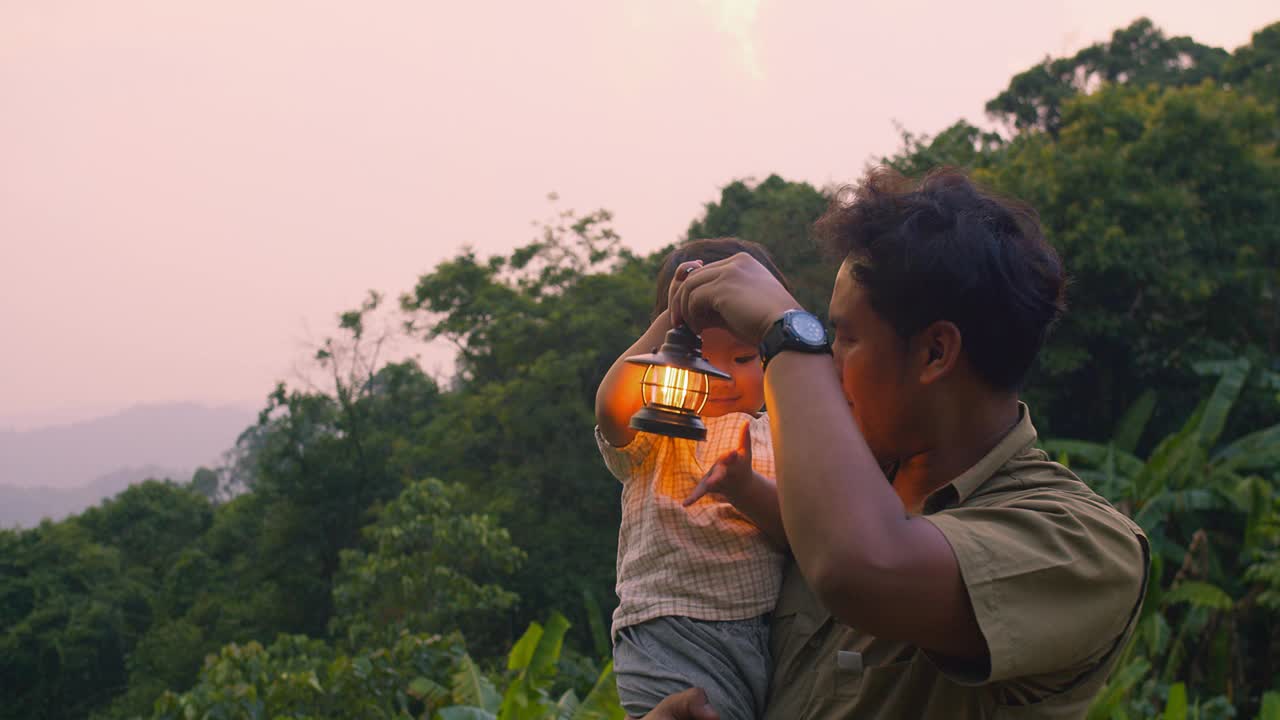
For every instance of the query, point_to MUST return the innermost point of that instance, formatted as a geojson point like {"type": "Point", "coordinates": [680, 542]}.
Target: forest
{"type": "Point", "coordinates": [389, 544]}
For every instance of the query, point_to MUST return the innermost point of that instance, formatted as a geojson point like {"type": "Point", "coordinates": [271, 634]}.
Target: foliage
{"type": "Point", "coordinates": [777, 214]}
{"type": "Point", "coordinates": [533, 659]}
{"type": "Point", "coordinates": [315, 574]}
{"type": "Point", "coordinates": [536, 332]}
{"type": "Point", "coordinates": [428, 568]}
{"type": "Point", "coordinates": [298, 677]}
{"type": "Point", "coordinates": [1208, 508]}
{"type": "Point", "coordinates": [415, 676]}
{"type": "Point", "coordinates": [1139, 55]}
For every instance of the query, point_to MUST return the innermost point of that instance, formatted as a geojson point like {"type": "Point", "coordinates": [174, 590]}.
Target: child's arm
{"type": "Point", "coordinates": [618, 397]}
{"type": "Point", "coordinates": [753, 494]}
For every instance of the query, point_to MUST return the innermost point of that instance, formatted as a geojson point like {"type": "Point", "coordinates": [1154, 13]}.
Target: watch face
{"type": "Point", "coordinates": [808, 329]}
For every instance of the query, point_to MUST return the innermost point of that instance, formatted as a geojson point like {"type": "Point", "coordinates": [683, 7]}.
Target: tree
{"type": "Point", "coordinates": [69, 614]}
{"type": "Point", "coordinates": [777, 214]}
{"type": "Point", "coordinates": [1255, 68]}
{"type": "Point", "coordinates": [1165, 205]}
{"type": "Point", "coordinates": [1138, 55]}
{"type": "Point", "coordinates": [536, 331]}
{"type": "Point", "coordinates": [427, 568]}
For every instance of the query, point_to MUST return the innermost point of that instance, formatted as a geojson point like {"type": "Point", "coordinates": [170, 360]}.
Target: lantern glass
{"type": "Point", "coordinates": [674, 389]}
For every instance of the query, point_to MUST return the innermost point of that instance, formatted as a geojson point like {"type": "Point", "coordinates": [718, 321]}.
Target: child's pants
{"type": "Point", "coordinates": [661, 657]}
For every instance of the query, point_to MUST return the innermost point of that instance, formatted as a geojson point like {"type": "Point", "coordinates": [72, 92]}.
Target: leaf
{"type": "Point", "coordinates": [1129, 430]}
{"type": "Point", "coordinates": [1270, 706]}
{"type": "Point", "coordinates": [599, 635]}
{"type": "Point", "coordinates": [1223, 397]}
{"type": "Point", "coordinates": [1095, 455]}
{"type": "Point", "coordinates": [567, 705]}
{"type": "Point", "coordinates": [522, 652]}
{"type": "Point", "coordinates": [426, 689]}
{"type": "Point", "coordinates": [1175, 708]}
{"type": "Point", "coordinates": [542, 666]}
{"type": "Point", "coordinates": [1257, 450]}
{"type": "Point", "coordinates": [464, 712]}
{"type": "Point", "coordinates": [602, 702]}
{"type": "Point", "coordinates": [1199, 594]}
{"type": "Point", "coordinates": [471, 687]}
{"type": "Point", "coordinates": [1108, 702]}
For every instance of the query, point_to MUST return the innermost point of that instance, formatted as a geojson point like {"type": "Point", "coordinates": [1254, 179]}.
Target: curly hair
{"type": "Point", "coordinates": [944, 248]}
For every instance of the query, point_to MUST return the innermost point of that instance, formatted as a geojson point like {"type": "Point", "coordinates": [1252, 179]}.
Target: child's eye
{"type": "Point", "coordinates": [744, 359]}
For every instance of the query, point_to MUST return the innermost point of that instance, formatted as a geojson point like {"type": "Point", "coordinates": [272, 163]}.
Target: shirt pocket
{"type": "Point", "coordinates": [851, 680]}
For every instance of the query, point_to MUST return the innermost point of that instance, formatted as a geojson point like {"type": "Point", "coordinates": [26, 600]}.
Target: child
{"type": "Point", "coordinates": [695, 576]}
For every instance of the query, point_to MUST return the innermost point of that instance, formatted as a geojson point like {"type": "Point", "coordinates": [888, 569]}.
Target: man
{"type": "Point", "coordinates": [944, 567]}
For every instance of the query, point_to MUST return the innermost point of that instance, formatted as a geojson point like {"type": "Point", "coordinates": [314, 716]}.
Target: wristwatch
{"type": "Point", "coordinates": [795, 330]}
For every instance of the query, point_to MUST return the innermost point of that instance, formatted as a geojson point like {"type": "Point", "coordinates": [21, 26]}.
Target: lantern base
{"type": "Point", "coordinates": [671, 424]}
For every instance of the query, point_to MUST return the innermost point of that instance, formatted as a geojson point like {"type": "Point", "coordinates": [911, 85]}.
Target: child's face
{"type": "Point", "coordinates": [744, 391]}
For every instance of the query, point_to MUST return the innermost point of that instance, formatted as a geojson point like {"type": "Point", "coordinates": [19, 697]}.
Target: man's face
{"type": "Point", "coordinates": [875, 371]}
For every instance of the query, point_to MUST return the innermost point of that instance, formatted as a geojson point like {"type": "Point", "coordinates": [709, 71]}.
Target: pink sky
{"type": "Point", "coordinates": [190, 192]}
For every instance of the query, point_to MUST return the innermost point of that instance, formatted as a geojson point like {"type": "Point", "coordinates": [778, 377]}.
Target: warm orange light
{"type": "Point", "coordinates": [674, 388]}
{"type": "Point", "coordinates": [676, 382]}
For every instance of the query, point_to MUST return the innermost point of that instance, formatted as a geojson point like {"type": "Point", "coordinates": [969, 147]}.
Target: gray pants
{"type": "Point", "coordinates": [730, 660]}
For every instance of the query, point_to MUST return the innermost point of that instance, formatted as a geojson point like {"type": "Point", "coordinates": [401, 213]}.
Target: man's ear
{"type": "Point", "coordinates": [938, 346]}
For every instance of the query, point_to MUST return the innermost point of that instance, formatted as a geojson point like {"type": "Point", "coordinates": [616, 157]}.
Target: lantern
{"type": "Point", "coordinates": [676, 383]}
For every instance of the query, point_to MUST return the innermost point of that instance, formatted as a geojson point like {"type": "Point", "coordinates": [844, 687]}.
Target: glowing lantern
{"type": "Point", "coordinates": [675, 386]}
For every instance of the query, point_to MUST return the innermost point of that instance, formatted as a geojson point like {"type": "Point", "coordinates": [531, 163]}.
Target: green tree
{"type": "Point", "coordinates": [1139, 54]}
{"type": "Point", "coordinates": [300, 677]}
{"type": "Point", "coordinates": [1255, 68]}
{"type": "Point", "coordinates": [777, 214]}
{"type": "Point", "coordinates": [1165, 205]}
{"type": "Point", "coordinates": [427, 568]}
{"type": "Point", "coordinates": [536, 332]}
{"type": "Point", "coordinates": [69, 614]}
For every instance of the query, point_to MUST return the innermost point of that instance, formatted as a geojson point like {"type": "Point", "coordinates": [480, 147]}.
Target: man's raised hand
{"type": "Point", "coordinates": [737, 293]}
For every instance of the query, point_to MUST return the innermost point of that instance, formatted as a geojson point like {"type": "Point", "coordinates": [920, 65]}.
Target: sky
{"type": "Point", "coordinates": [190, 192]}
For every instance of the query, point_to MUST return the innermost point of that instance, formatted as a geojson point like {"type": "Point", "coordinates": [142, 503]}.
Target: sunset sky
{"type": "Point", "coordinates": [191, 191]}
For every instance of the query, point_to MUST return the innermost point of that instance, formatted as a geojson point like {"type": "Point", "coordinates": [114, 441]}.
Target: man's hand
{"type": "Point", "coordinates": [737, 293]}
{"type": "Point", "coordinates": [688, 705]}
{"type": "Point", "coordinates": [730, 475]}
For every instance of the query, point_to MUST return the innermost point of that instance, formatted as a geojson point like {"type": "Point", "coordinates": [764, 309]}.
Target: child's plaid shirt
{"type": "Point", "coordinates": [706, 561]}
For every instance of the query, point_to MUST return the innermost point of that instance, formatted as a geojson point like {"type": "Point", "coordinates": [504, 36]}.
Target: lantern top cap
{"type": "Point", "coordinates": [682, 348]}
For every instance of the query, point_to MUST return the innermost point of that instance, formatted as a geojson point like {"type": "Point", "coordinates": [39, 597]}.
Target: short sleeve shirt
{"type": "Point", "coordinates": [1055, 574]}
{"type": "Point", "coordinates": [706, 561]}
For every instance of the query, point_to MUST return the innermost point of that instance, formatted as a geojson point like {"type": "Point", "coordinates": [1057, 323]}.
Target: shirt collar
{"type": "Point", "coordinates": [1022, 436]}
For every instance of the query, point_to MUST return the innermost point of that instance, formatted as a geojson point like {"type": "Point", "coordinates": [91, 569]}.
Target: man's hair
{"type": "Point", "coordinates": [944, 248]}
{"type": "Point", "coordinates": [708, 251]}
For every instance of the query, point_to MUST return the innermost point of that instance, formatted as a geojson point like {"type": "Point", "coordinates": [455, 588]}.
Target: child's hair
{"type": "Point", "coordinates": [709, 251]}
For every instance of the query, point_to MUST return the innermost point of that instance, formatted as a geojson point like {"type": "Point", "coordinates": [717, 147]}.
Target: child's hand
{"type": "Point", "coordinates": [731, 473]}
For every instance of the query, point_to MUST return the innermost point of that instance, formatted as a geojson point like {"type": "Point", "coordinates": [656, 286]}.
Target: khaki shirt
{"type": "Point", "coordinates": [1055, 575]}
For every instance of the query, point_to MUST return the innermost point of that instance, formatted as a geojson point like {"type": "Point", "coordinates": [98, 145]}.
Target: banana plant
{"type": "Point", "coordinates": [1211, 516]}
{"type": "Point", "coordinates": [533, 660]}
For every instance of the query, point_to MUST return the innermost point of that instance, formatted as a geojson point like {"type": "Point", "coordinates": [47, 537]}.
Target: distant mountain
{"type": "Point", "coordinates": [179, 436]}
{"type": "Point", "coordinates": [25, 507]}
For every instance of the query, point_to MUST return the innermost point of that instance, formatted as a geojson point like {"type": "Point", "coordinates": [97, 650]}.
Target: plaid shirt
{"type": "Point", "coordinates": [706, 561]}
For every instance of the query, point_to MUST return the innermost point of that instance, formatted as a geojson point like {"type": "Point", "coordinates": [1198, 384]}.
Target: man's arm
{"type": "Point", "coordinates": [872, 566]}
